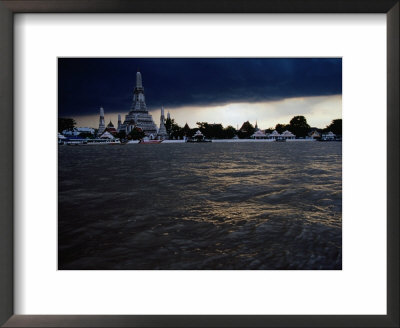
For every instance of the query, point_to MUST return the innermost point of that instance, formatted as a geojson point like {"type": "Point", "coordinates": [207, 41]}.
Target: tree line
{"type": "Point", "coordinates": [298, 126]}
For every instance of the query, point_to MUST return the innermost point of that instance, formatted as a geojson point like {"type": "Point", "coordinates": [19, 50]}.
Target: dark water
{"type": "Point", "coordinates": [201, 206]}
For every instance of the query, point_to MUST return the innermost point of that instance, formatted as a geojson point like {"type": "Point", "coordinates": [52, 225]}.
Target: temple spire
{"type": "Point", "coordinates": [139, 80]}
{"type": "Point", "coordinates": [138, 103]}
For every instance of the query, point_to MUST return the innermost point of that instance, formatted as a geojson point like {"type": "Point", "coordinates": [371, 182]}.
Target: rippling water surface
{"type": "Point", "coordinates": [201, 206]}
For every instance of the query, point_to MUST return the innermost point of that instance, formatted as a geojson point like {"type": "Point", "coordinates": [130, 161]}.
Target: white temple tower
{"type": "Point", "coordinates": [138, 115]}
{"type": "Point", "coordinates": [162, 132]}
{"type": "Point", "coordinates": [102, 125]}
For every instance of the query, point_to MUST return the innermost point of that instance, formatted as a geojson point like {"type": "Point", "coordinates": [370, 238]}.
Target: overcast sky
{"type": "Point", "coordinates": [217, 90]}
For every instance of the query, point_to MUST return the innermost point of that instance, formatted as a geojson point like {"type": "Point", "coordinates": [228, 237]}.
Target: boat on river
{"type": "Point", "coordinates": [101, 141]}
{"type": "Point", "coordinates": [149, 141]}
{"type": "Point", "coordinates": [280, 139]}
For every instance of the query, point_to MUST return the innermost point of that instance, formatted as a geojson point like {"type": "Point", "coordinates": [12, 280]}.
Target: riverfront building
{"type": "Point", "coordinates": [288, 135]}
{"type": "Point", "coordinates": [330, 136]}
{"type": "Point", "coordinates": [107, 135]}
{"type": "Point", "coordinates": [314, 134]}
{"type": "Point", "coordinates": [77, 131]}
{"type": "Point", "coordinates": [284, 136]}
{"type": "Point", "coordinates": [274, 135]}
{"type": "Point", "coordinates": [111, 129]}
{"type": "Point", "coordinates": [259, 135]}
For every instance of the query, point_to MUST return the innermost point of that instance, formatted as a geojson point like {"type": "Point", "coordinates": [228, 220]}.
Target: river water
{"type": "Point", "coordinates": [268, 206]}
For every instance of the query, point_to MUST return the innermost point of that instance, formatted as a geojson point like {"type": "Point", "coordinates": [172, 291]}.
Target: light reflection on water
{"type": "Point", "coordinates": [201, 206]}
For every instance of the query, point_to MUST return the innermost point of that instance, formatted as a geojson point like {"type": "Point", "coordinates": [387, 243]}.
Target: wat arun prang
{"type": "Point", "coordinates": [139, 116]}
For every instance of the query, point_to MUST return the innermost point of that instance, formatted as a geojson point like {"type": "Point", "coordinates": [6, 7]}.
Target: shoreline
{"type": "Point", "coordinates": [239, 140]}
{"type": "Point", "coordinates": [134, 142]}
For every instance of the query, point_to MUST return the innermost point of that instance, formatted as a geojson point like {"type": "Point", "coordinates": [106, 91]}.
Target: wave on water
{"type": "Point", "coordinates": [267, 206]}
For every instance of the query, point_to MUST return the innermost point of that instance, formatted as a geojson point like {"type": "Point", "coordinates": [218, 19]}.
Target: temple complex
{"type": "Point", "coordinates": [138, 115]}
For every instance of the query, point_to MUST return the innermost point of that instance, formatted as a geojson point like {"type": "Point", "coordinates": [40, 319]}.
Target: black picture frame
{"type": "Point", "coordinates": [10, 7]}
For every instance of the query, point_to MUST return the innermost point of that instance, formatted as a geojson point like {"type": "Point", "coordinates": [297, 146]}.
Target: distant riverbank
{"type": "Point", "coordinates": [240, 140]}
{"type": "Point", "coordinates": [230, 140]}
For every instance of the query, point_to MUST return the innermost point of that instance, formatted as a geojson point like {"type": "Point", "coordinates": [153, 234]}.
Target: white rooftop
{"type": "Point", "coordinates": [258, 133]}
{"type": "Point", "coordinates": [275, 133]}
{"type": "Point", "coordinates": [287, 134]}
{"type": "Point", "coordinates": [106, 135]}
{"type": "Point", "coordinates": [198, 134]}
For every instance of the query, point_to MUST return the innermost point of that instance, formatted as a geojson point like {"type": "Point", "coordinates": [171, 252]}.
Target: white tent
{"type": "Point", "coordinates": [274, 135]}
{"type": "Point", "coordinates": [314, 134]}
{"type": "Point", "coordinates": [258, 135]}
{"type": "Point", "coordinates": [288, 135]}
{"type": "Point", "coordinates": [198, 134]}
{"type": "Point", "coordinates": [107, 135]}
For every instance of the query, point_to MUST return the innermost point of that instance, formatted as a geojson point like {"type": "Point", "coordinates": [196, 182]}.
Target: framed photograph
{"type": "Point", "coordinates": [201, 174]}
{"type": "Point", "coordinates": [193, 199]}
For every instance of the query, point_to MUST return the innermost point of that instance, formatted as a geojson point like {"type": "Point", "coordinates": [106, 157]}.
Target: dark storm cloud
{"type": "Point", "coordinates": [85, 84]}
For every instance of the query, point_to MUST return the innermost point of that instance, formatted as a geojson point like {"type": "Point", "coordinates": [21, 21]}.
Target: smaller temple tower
{"type": "Point", "coordinates": [119, 123]}
{"type": "Point", "coordinates": [168, 116]}
{"type": "Point", "coordinates": [162, 132]}
{"type": "Point", "coordinates": [102, 125]}
{"type": "Point", "coordinates": [256, 127]}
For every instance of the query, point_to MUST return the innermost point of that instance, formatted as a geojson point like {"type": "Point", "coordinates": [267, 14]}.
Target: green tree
{"type": "Point", "coordinates": [216, 131]}
{"type": "Point", "coordinates": [246, 130]}
{"type": "Point", "coordinates": [281, 127]}
{"type": "Point", "coordinates": [192, 132]}
{"type": "Point", "coordinates": [186, 131]}
{"type": "Point", "coordinates": [335, 127]}
{"type": "Point", "coordinates": [229, 132]}
{"type": "Point", "coordinates": [204, 128]}
{"type": "Point", "coordinates": [298, 126]}
{"type": "Point", "coordinates": [121, 134]}
{"type": "Point", "coordinates": [168, 125]}
{"type": "Point", "coordinates": [176, 131]}
{"type": "Point", "coordinates": [66, 124]}
{"type": "Point", "coordinates": [211, 130]}
{"type": "Point", "coordinates": [136, 134]}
